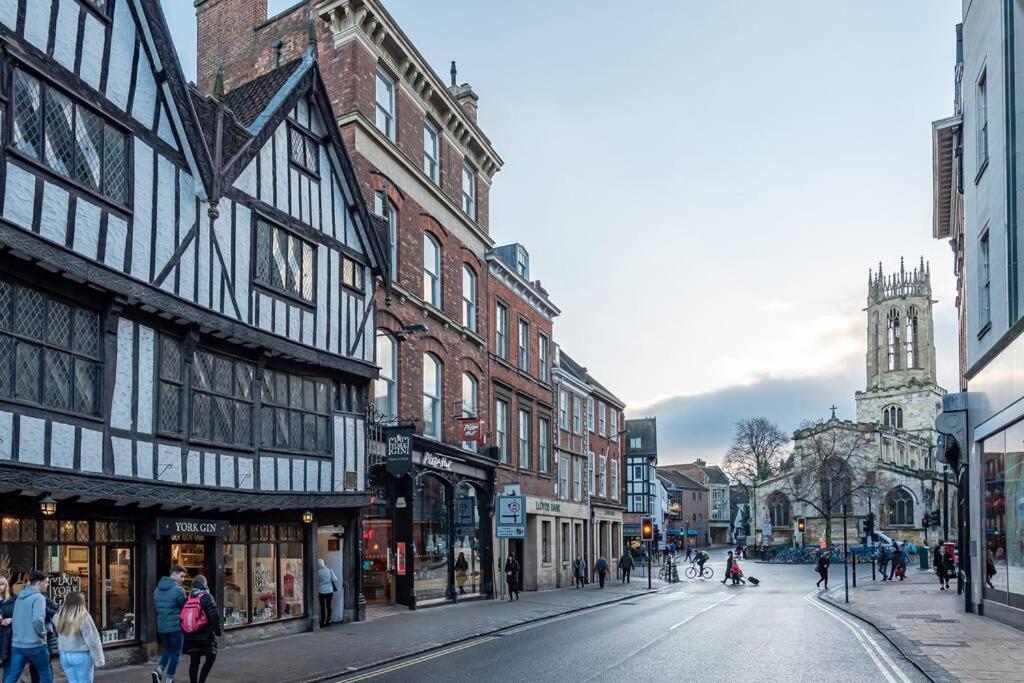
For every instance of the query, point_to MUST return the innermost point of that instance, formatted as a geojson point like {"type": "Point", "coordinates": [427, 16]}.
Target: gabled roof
{"type": "Point", "coordinates": [716, 475]}
{"type": "Point", "coordinates": [601, 389]}
{"type": "Point", "coordinates": [250, 99]}
{"type": "Point", "coordinates": [571, 367]}
{"type": "Point", "coordinates": [679, 480]}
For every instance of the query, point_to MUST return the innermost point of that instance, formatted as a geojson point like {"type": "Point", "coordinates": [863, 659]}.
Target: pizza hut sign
{"type": "Point", "coordinates": [472, 430]}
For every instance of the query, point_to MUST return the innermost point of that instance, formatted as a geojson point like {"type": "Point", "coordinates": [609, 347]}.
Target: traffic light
{"type": "Point", "coordinates": [647, 529]}
{"type": "Point", "coordinates": [801, 524]}
{"type": "Point", "coordinates": [869, 524]}
{"type": "Point", "coordinates": [934, 518]}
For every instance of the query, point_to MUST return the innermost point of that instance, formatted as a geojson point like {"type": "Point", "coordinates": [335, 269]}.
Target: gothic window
{"type": "Point", "coordinates": [892, 416]}
{"type": "Point", "coordinates": [49, 351]}
{"type": "Point", "coordinates": [899, 505]}
{"type": "Point", "coordinates": [295, 413]}
{"type": "Point", "coordinates": [69, 139]}
{"type": "Point", "coordinates": [911, 339]}
{"type": "Point", "coordinates": [893, 333]}
{"type": "Point", "coordinates": [283, 261]}
{"type": "Point", "coordinates": [778, 509]}
{"type": "Point", "coordinates": [222, 402]}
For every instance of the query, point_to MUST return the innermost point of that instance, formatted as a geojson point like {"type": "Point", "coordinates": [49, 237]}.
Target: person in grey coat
{"type": "Point", "coordinates": [326, 586]}
{"type": "Point", "coordinates": [28, 637]}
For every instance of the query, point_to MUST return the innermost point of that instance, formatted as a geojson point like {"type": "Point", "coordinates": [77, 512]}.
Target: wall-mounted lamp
{"type": "Point", "coordinates": [307, 517]}
{"type": "Point", "coordinates": [48, 506]}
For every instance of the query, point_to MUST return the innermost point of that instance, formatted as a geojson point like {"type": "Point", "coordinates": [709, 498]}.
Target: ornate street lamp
{"type": "Point", "coordinates": [48, 506]}
{"type": "Point", "coordinates": [307, 517]}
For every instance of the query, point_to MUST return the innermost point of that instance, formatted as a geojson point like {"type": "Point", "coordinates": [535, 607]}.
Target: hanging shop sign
{"type": "Point", "coordinates": [471, 429]}
{"type": "Point", "coordinates": [167, 526]}
{"type": "Point", "coordinates": [399, 453]}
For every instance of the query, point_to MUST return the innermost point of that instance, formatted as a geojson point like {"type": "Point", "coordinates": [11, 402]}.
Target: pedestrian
{"type": "Point", "coordinates": [168, 599]}
{"type": "Point", "coordinates": [894, 563]}
{"type": "Point", "coordinates": [883, 561]}
{"type": "Point", "coordinates": [512, 576]}
{"type": "Point", "coordinates": [950, 563]}
{"type": "Point", "coordinates": [601, 566]}
{"type": "Point", "coordinates": [326, 587]}
{"type": "Point", "coordinates": [904, 560]}
{"type": "Point", "coordinates": [737, 574]}
{"type": "Point", "coordinates": [201, 624]}
{"type": "Point", "coordinates": [461, 573]}
{"type": "Point", "coordinates": [728, 566]}
{"type": "Point", "coordinates": [81, 650]}
{"type": "Point", "coordinates": [28, 633]}
{"type": "Point", "coordinates": [52, 645]}
{"type": "Point", "coordinates": [579, 572]}
{"type": "Point", "coordinates": [990, 569]}
{"type": "Point", "coordinates": [824, 560]}
{"type": "Point", "coordinates": [940, 566]}
{"type": "Point", "coordinates": [626, 565]}
{"type": "Point", "coordinates": [689, 552]}
{"type": "Point", "coordinates": [6, 619]}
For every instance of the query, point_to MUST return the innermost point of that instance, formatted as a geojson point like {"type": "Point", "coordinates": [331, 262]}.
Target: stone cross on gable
{"type": "Point", "coordinates": [834, 408]}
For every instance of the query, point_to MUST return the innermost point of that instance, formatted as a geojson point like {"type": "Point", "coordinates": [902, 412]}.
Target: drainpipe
{"type": "Point", "coordinates": [1010, 121]}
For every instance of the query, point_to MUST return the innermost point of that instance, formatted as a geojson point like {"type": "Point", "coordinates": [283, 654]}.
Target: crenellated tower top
{"type": "Point", "coordinates": [916, 282]}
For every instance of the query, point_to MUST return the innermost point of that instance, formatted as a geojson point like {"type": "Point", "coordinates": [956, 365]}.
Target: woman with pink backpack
{"type": "Point", "coordinates": [201, 625]}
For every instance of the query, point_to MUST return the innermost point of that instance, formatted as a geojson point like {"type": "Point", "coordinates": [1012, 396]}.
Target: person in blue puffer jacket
{"type": "Point", "coordinates": [168, 599]}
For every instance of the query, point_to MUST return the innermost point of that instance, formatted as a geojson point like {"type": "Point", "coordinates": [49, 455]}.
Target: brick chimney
{"type": "Point", "coordinates": [464, 95]}
{"type": "Point", "coordinates": [224, 33]}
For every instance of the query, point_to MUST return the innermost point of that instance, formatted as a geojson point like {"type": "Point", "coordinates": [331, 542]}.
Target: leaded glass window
{"type": "Point", "coordinates": [69, 139]}
{"type": "Point", "coordinates": [303, 150]}
{"type": "Point", "coordinates": [172, 385]}
{"type": "Point", "coordinates": [295, 413]}
{"type": "Point", "coordinates": [222, 405]}
{"type": "Point", "coordinates": [283, 261]}
{"type": "Point", "coordinates": [49, 351]}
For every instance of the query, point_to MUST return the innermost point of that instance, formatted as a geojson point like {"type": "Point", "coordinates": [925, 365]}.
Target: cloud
{"type": "Point", "coordinates": [702, 425]}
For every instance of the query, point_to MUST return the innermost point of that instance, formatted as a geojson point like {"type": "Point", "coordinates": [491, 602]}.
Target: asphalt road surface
{"type": "Point", "coordinates": [695, 631]}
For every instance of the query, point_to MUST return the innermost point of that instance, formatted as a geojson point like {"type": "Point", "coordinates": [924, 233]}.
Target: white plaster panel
{"type": "Point", "coordinates": [360, 454]}
{"type": "Point", "coordinates": [142, 211]}
{"type": "Point", "coordinates": [314, 204]}
{"type": "Point", "coordinates": [121, 407]}
{"type": "Point", "coordinates": [298, 475]}
{"type": "Point", "coordinates": [281, 163]}
{"type": "Point", "coordinates": [92, 54]}
{"type": "Point", "coordinates": [325, 476]}
{"type": "Point", "coordinates": [187, 272]}
{"type": "Point", "coordinates": [301, 113]}
{"type": "Point", "coordinates": [203, 244]}
{"type": "Point", "coordinates": [117, 235]}
{"type": "Point", "coordinates": [246, 182]}
{"type": "Point", "coordinates": [165, 200]}
{"type": "Point", "coordinates": [316, 124]}
{"type": "Point", "coordinates": [122, 450]}
{"type": "Point", "coordinates": [312, 480]}
{"type": "Point", "coordinates": [280, 311]}
{"type": "Point", "coordinates": [321, 297]}
{"type": "Point", "coordinates": [53, 221]}
{"type": "Point", "coordinates": [20, 194]}
{"type": "Point", "coordinates": [283, 475]}
{"type": "Point", "coordinates": [332, 276]}
{"type": "Point", "coordinates": [307, 327]}
{"type": "Point", "coordinates": [92, 450]}
{"type": "Point", "coordinates": [31, 434]}
{"type": "Point", "coordinates": [266, 179]}
{"type": "Point", "coordinates": [215, 302]}
{"type": "Point", "coordinates": [210, 469]}
{"type": "Point", "coordinates": [146, 363]}
{"type": "Point", "coordinates": [351, 239]}
{"type": "Point", "coordinates": [340, 214]}
{"type": "Point", "coordinates": [192, 462]}
{"type": "Point", "coordinates": [267, 474]}
{"type": "Point", "coordinates": [243, 231]}
{"type": "Point", "coordinates": [163, 128]}
{"type": "Point", "coordinates": [6, 434]}
{"type": "Point", "coordinates": [145, 92]}
{"type": "Point", "coordinates": [62, 445]}
{"type": "Point", "coordinates": [266, 311]}
{"type": "Point", "coordinates": [324, 186]}
{"type": "Point", "coordinates": [87, 228]}
{"type": "Point", "coordinates": [122, 46]}
{"type": "Point", "coordinates": [169, 463]}
{"type": "Point", "coordinates": [144, 459]}
{"type": "Point", "coordinates": [344, 333]}
{"type": "Point", "coordinates": [67, 34]}
{"type": "Point", "coordinates": [9, 13]}
{"type": "Point", "coordinates": [227, 471]}
{"type": "Point", "coordinates": [294, 323]}
{"type": "Point", "coordinates": [339, 453]}
{"type": "Point", "coordinates": [246, 478]}
{"type": "Point", "coordinates": [37, 23]}
{"type": "Point", "coordinates": [293, 193]}
{"type": "Point", "coordinates": [350, 443]}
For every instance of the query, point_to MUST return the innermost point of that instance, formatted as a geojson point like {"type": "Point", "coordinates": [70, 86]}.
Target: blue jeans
{"type": "Point", "coordinates": [172, 643]}
{"type": "Point", "coordinates": [20, 658]}
{"type": "Point", "coordinates": [77, 666]}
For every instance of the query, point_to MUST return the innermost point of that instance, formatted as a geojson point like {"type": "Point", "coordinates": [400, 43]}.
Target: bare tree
{"type": "Point", "coordinates": [755, 455]}
{"type": "Point", "coordinates": [833, 465]}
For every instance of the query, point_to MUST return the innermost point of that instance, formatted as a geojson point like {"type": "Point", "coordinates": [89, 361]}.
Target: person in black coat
{"type": "Point", "coordinates": [6, 619]}
{"type": "Point", "coordinates": [202, 643]}
{"type": "Point", "coordinates": [512, 576]}
{"type": "Point", "coordinates": [824, 560]}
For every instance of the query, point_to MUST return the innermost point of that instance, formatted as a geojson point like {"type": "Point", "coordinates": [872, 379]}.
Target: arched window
{"type": "Point", "coordinates": [385, 393]}
{"type": "Point", "coordinates": [431, 396]}
{"type": "Point", "coordinates": [899, 506]}
{"type": "Point", "coordinates": [778, 509]}
{"type": "Point", "coordinates": [911, 338]}
{"type": "Point", "coordinates": [385, 208]}
{"type": "Point", "coordinates": [431, 270]}
{"type": "Point", "coordinates": [468, 298]}
{"type": "Point", "coordinates": [469, 403]}
{"type": "Point", "coordinates": [893, 332]}
{"type": "Point", "coordinates": [892, 416]}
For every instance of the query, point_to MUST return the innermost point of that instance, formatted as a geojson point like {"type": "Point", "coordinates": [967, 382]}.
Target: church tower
{"type": "Point", "coordinates": [901, 390]}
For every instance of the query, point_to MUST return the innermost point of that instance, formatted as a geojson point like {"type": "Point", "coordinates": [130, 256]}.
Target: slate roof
{"type": "Point", "coordinates": [679, 479]}
{"type": "Point", "coordinates": [250, 99]}
{"type": "Point", "coordinates": [716, 475]}
{"type": "Point", "coordinates": [572, 367]}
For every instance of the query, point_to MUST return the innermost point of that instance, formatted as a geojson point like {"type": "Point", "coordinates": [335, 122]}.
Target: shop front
{"type": "Point", "coordinates": [427, 532]}
{"type": "Point", "coordinates": [607, 536]}
{"type": "Point", "coordinates": [1003, 523]}
{"type": "Point", "coordinates": [555, 536]}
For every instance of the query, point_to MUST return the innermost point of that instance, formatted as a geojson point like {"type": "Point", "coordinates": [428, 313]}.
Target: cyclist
{"type": "Point", "coordinates": [702, 557]}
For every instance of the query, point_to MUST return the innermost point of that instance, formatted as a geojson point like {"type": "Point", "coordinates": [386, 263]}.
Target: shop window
{"type": "Point", "coordinates": [430, 540]}
{"type": "Point", "coordinates": [545, 542]}
{"type": "Point", "coordinates": [236, 578]}
{"type": "Point", "coordinates": [468, 567]}
{"type": "Point", "coordinates": [264, 582]}
{"type": "Point", "coordinates": [293, 601]}
{"type": "Point", "coordinates": [264, 573]}
{"type": "Point", "coordinates": [296, 413]}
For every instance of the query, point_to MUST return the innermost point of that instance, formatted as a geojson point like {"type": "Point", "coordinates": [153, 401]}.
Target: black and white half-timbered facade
{"type": "Point", "coordinates": [186, 325]}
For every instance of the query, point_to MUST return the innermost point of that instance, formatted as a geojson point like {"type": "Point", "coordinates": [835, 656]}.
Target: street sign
{"type": "Point", "coordinates": [511, 522]}
{"type": "Point", "coordinates": [766, 531]}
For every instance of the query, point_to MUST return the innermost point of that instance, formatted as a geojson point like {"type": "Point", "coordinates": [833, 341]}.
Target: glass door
{"type": "Point", "coordinates": [379, 564]}
{"type": "Point", "coordinates": [190, 553]}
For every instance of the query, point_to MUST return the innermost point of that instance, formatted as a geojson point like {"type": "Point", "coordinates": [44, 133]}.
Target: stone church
{"type": "Point", "coordinates": [889, 465]}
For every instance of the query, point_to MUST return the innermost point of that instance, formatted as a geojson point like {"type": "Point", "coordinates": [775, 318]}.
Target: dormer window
{"type": "Point", "coordinates": [522, 262]}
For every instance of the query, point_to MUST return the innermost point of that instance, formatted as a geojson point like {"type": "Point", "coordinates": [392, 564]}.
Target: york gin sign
{"type": "Point", "coordinates": [399, 453]}
{"type": "Point", "coordinates": [166, 526]}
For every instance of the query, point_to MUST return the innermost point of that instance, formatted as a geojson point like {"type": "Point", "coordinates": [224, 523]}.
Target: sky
{"type": "Point", "coordinates": [703, 186]}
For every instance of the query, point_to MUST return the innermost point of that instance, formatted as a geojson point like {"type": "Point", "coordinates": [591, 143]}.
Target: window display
{"type": "Point", "coordinates": [236, 583]}
{"type": "Point", "coordinates": [468, 568]}
{"type": "Point", "coordinates": [1004, 515]}
{"type": "Point", "coordinates": [264, 582]}
{"type": "Point", "coordinates": [430, 540]}
{"type": "Point", "coordinates": [264, 573]}
{"type": "Point", "coordinates": [292, 580]}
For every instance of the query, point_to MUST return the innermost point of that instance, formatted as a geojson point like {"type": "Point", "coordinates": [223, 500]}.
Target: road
{"type": "Point", "coordinates": [695, 630]}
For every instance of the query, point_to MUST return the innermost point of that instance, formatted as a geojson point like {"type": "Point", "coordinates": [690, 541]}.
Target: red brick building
{"type": "Point", "coordinates": [425, 166]}
{"type": "Point", "coordinates": [523, 405]}
{"type": "Point", "coordinates": [606, 472]}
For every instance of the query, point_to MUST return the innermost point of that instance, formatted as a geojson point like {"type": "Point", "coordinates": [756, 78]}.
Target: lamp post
{"type": "Point", "coordinates": [846, 557]}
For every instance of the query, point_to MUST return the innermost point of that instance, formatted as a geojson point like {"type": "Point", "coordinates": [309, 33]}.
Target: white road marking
{"type": "Point", "coordinates": [871, 646]}
{"type": "Point", "coordinates": [692, 616]}
{"type": "Point", "coordinates": [419, 660]}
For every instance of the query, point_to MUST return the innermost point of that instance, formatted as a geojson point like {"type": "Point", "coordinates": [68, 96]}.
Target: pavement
{"type": "Point", "coordinates": [930, 628]}
{"type": "Point", "coordinates": [346, 648]}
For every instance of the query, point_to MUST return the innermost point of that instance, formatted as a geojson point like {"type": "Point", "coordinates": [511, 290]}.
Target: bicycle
{"type": "Point", "coordinates": [692, 571]}
{"type": "Point", "coordinates": [668, 572]}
